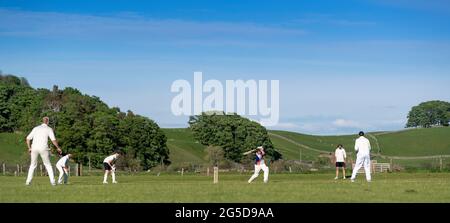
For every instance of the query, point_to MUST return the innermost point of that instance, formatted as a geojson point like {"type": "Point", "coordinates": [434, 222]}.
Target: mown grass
{"type": "Point", "coordinates": [233, 188]}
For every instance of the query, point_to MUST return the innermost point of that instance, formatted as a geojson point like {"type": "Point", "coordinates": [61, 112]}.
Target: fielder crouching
{"type": "Point", "coordinates": [260, 164]}
{"type": "Point", "coordinates": [63, 167]}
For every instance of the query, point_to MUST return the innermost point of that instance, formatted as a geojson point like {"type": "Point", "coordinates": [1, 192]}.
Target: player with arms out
{"type": "Point", "coordinates": [259, 165]}
{"type": "Point", "coordinates": [37, 142]}
{"type": "Point", "coordinates": [110, 168]}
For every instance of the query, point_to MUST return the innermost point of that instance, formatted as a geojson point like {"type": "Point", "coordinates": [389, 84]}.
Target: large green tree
{"type": "Point", "coordinates": [428, 114]}
{"type": "Point", "coordinates": [233, 133]}
{"type": "Point", "coordinates": [84, 124]}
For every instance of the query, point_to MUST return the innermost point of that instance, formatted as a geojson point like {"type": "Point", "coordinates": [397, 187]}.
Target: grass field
{"type": "Point", "coordinates": [320, 188]}
{"type": "Point", "coordinates": [184, 149]}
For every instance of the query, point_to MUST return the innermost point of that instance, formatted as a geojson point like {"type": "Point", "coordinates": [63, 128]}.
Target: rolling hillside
{"type": "Point", "coordinates": [293, 146]}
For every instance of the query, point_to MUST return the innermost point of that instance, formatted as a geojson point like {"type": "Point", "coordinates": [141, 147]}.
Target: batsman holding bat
{"type": "Point", "coordinates": [110, 168]}
{"type": "Point", "coordinates": [260, 164]}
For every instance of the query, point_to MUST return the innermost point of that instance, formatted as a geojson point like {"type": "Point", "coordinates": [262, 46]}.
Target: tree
{"type": "Point", "coordinates": [143, 140]}
{"type": "Point", "coordinates": [84, 124]}
{"type": "Point", "coordinates": [233, 133]}
{"type": "Point", "coordinates": [428, 114]}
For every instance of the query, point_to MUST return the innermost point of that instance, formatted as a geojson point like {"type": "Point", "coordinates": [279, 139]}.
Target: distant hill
{"type": "Point", "coordinates": [184, 149]}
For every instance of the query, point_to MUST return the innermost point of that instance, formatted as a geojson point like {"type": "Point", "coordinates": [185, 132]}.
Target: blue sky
{"type": "Point", "coordinates": [343, 66]}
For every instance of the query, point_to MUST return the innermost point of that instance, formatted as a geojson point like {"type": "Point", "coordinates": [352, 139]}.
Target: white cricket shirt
{"type": "Point", "coordinates": [63, 161]}
{"type": "Point", "coordinates": [110, 159]}
{"type": "Point", "coordinates": [341, 155]}
{"type": "Point", "coordinates": [362, 146]}
{"type": "Point", "coordinates": [40, 136]}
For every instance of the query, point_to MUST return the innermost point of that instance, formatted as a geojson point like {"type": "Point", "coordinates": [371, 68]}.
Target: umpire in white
{"type": "Point", "coordinates": [39, 136]}
{"type": "Point", "coordinates": [362, 148]}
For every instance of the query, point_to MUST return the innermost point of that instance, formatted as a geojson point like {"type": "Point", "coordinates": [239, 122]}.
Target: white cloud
{"type": "Point", "coordinates": [125, 26]}
{"type": "Point", "coordinates": [327, 19]}
{"type": "Point", "coordinates": [343, 123]}
{"type": "Point", "coordinates": [285, 125]}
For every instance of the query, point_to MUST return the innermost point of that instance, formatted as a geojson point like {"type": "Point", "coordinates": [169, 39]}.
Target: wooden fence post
{"type": "Point", "coordinates": [81, 170]}
{"type": "Point", "coordinates": [4, 169]}
{"type": "Point", "coordinates": [441, 164]}
{"type": "Point", "coordinates": [18, 170]}
{"type": "Point", "coordinates": [90, 164]}
{"type": "Point", "coordinates": [207, 172]}
{"type": "Point", "coordinates": [76, 170]}
{"type": "Point", "coordinates": [182, 171]}
{"type": "Point", "coordinates": [216, 175]}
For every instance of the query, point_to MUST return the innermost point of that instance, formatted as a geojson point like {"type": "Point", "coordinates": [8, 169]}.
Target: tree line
{"type": "Point", "coordinates": [88, 128]}
{"type": "Point", "coordinates": [84, 125]}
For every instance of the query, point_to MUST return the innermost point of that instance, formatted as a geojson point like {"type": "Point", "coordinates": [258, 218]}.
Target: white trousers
{"type": "Point", "coordinates": [45, 156]}
{"type": "Point", "coordinates": [258, 169]}
{"type": "Point", "coordinates": [362, 161]}
{"type": "Point", "coordinates": [63, 175]}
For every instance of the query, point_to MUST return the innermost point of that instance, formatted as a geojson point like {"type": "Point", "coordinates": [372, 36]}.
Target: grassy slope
{"type": "Point", "coordinates": [416, 142]}
{"type": "Point", "coordinates": [291, 151]}
{"type": "Point", "coordinates": [184, 149]}
{"type": "Point", "coordinates": [283, 188]}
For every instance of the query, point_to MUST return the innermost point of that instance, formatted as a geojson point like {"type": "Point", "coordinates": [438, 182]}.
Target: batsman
{"type": "Point", "coordinates": [260, 164]}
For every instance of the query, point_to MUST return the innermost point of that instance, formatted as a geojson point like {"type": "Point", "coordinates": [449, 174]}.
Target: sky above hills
{"type": "Point", "coordinates": [343, 66]}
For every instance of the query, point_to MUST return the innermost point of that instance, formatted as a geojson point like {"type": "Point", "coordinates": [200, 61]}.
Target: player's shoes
{"type": "Point", "coordinates": [336, 178]}
{"type": "Point", "coordinates": [353, 180]}
{"type": "Point", "coordinates": [115, 182]}
{"type": "Point", "coordinates": [105, 182]}
{"type": "Point", "coordinates": [345, 178]}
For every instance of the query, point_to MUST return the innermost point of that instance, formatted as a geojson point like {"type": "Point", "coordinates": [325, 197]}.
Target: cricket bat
{"type": "Point", "coordinates": [249, 152]}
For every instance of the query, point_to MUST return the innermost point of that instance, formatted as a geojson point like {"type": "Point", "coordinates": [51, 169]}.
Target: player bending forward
{"type": "Point", "coordinates": [260, 165]}
{"type": "Point", "coordinates": [110, 168]}
{"type": "Point", "coordinates": [63, 167]}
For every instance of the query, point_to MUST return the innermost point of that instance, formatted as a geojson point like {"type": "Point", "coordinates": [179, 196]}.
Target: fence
{"type": "Point", "coordinates": [10, 169]}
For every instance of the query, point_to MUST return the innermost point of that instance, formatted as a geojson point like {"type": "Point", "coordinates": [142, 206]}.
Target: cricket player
{"type": "Point", "coordinates": [260, 165]}
{"type": "Point", "coordinates": [110, 168]}
{"type": "Point", "coordinates": [63, 167]}
{"type": "Point", "coordinates": [37, 142]}
{"type": "Point", "coordinates": [341, 157]}
{"type": "Point", "coordinates": [362, 148]}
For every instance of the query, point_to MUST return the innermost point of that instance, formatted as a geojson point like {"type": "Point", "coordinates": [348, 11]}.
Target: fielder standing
{"type": "Point", "coordinates": [39, 136]}
{"type": "Point", "coordinates": [260, 164]}
{"type": "Point", "coordinates": [362, 148]}
{"type": "Point", "coordinates": [341, 157]}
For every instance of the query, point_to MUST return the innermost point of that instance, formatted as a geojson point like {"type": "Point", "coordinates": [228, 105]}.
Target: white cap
{"type": "Point", "coordinates": [260, 147]}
